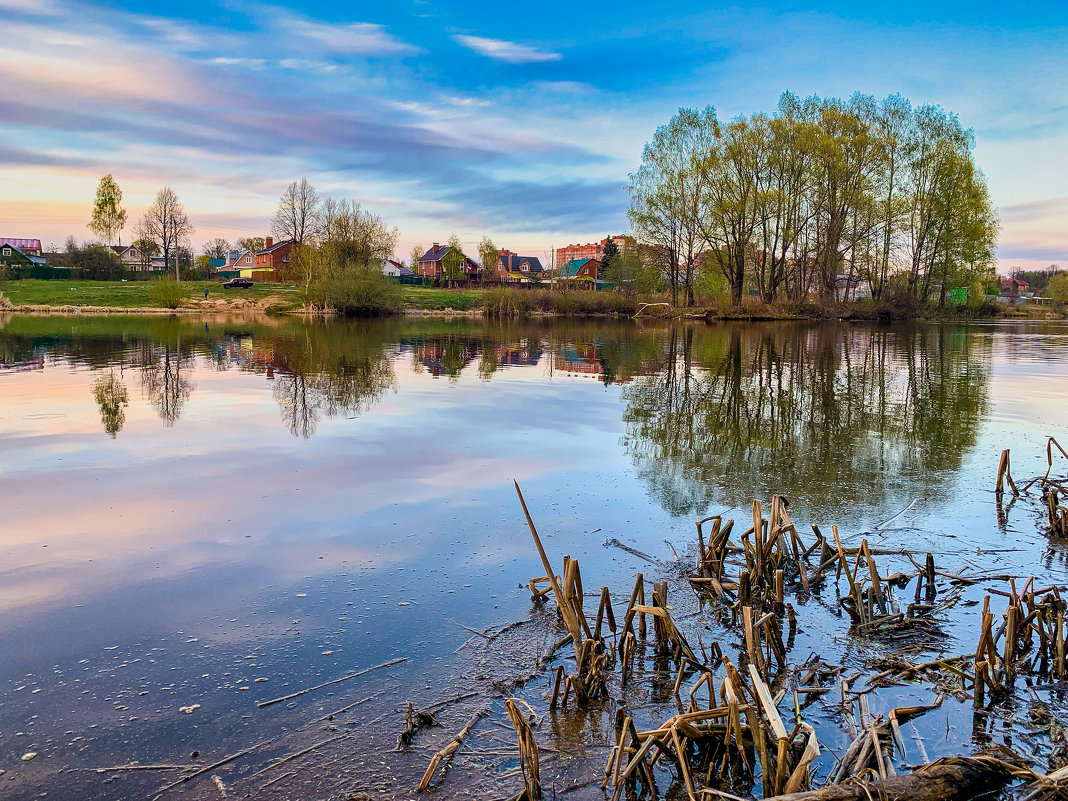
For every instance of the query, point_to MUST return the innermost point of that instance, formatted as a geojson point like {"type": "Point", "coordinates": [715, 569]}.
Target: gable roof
{"type": "Point", "coordinates": [571, 268]}
{"type": "Point", "coordinates": [39, 260]}
{"type": "Point", "coordinates": [275, 247]}
{"type": "Point", "coordinates": [511, 262]}
{"type": "Point", "coordinates": [402, 271]}
{"type": "Point", "coordinates": [435, 253]}
{"type": "Point", "coordinates": [27, 244]}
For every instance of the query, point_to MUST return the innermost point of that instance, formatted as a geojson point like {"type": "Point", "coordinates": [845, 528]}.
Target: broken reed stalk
{"type": "Point", "coordinates": [446, 753]}
{"type": "Point", "coordinates": [1005, 473]}
{"type": "Point", "coordinates": [561, 602]}
{"type": "Point", "coordinates": [528, 749]}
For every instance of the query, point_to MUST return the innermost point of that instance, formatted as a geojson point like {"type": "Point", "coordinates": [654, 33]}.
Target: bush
{"type": "Point", "coordinates": [356, 292]}
{"type": "Point", "coordinates": [95, 263]}
{"type": "Point", "coordinates": [1057, 289]}
{"type": "Point", "coordinates": [166, 292]}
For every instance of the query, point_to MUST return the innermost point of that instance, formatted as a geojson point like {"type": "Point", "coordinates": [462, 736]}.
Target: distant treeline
{"type": "Point", "coordinates": [820, 193]}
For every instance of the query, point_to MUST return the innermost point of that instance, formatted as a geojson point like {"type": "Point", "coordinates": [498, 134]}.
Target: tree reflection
{"type": "Point", "coordinates": [324, 373]}
{"type": "Point", "coordinates": [165, 380]}
{"type": "Point", "coordinates": [111, 396]}
{"type": "Point", "coordinates": [831, 414]}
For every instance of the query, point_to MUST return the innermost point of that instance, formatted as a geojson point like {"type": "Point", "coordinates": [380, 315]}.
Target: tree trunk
{"type": "Point", "coordinates": [943, 780]}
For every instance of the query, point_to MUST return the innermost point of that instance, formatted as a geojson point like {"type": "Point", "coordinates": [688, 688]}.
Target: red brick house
{"type": "Point", "coordinates": [275, 255]}
{"type": "Point", "coordinates": [581, 270]}
{"type": "Point", "coordinates": [511, 267]}
{"type": "Point", "coordinates": [430, 265]}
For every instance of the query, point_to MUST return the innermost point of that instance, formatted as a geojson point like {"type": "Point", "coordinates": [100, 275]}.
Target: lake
{"type": "Point", "coordinates": [201, 514]}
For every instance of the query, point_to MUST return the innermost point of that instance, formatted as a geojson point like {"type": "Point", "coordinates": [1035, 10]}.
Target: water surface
{"type": "Point", "coordinates": [223, 511]}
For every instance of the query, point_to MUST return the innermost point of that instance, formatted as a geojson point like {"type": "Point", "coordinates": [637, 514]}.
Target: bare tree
{"type": "Point", "coordinates": [217, 248]}
{"type": "Point", "coordinates": [297, 217]}
{"type": "Point", "coordinates": [168, 225]}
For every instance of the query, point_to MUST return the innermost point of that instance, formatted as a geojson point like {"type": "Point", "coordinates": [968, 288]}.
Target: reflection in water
{"type": "Point", "coordinates": [165, 380]}
{"type": "Point", "coordinates": [831, 412]}
{"type": "Point", "coordinates": [836, 414]}
{"type": "Point", "coordinates": [111, 396]}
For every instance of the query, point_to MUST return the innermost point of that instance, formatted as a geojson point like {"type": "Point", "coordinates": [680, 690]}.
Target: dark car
{"type": "Point", "coordinates": [237, 283]}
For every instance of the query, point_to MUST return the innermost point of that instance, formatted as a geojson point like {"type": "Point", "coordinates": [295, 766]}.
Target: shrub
{"type": "Point", "coordinates": [1057, 289]}
{"type": "Point", "coordinates": [356, 292]}
{"type": "Point", "coordinates": [4, 302]}
{"type": "Point", "coordinates": [96, 263]}
{"type": "Point", "coordinates": [166, 292]}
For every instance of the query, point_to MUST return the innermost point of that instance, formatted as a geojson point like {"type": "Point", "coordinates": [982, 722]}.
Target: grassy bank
{"type": "Point", "coordinates": [61, 295]}
{"type": "Point", "coordinates": [138, 295]}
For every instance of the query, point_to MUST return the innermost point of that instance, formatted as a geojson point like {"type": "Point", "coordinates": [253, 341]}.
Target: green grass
{"type": "Point", "coordinates": [427, 298]}
{"type": "Point", "coordinates": [117, 294]}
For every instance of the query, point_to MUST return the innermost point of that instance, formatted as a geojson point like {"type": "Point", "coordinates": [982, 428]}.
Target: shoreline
{"type": "Point", "coordinates": [697, 315]}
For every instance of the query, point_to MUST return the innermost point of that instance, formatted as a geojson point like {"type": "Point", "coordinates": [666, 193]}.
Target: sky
{"type": "Point", "coordinates": [516, 121]}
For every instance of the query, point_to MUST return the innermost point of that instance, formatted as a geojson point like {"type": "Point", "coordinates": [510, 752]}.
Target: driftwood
{"type": "Point", "coordinates": [942, 780]}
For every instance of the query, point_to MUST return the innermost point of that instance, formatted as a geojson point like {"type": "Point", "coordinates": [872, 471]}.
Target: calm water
{"type": "Point", "coordinates": [228, 511]}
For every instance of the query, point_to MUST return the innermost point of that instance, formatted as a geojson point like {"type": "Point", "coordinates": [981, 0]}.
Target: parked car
{"type": "Point", "coordinates": [237, 283]}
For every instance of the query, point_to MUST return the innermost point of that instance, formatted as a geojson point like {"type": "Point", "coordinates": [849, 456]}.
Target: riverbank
{"type": "Point", "coordinates": [133, 297]}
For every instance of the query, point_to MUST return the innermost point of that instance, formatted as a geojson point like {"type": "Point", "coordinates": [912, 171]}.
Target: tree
{"type": "Point", "coordinates": [820, 195]}
{"type": "Point", "coordinates": [146, 248]}
{"type": "Point", "coordinates": [1057, 289]}
{"type": "Point", "coordinates": [297, 217]}
{"type": "Point", "coordinates": [452, 263]}
{"type": "Point", "coordinates": [488, 253]}
{"type": "Point", "coordinates": [352, 241]}
{"type": "Point", "coordinates": [354, 236]}
{"type": "Point", "coordinates": [217, 248]}
{"type": "Point", "coordinates": [251, 243]}
{"type": "Point", "coordinates": [416, 254]}
{"type": "Point", "coordinates": [109, 217]}
{"type": "Point", "coordinates": [670, 191]}
{"type": "Point", "coordinates": [96, 263]}
{"type": "Point", "coordinates": [609, 254]}
{"type": "Point", "coordinates": [168, 225]}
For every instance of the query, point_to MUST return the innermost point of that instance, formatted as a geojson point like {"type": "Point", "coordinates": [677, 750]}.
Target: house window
{"type": "Point", "coordinates": [7, 251]}
{"type": "Point", "coordinates": [248, 260]}
{"type": "Point", "coordinates": [525, 267]}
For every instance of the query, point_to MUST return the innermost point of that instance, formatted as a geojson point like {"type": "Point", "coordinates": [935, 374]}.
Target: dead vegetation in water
{"type": "Point", "coordinates": [745, 712]}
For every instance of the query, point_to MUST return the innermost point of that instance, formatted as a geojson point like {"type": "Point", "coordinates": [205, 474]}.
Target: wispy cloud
{"type": "Point", "coordinates": [350, 38]}
{"type": "Point", "coordinates": [503, 50]}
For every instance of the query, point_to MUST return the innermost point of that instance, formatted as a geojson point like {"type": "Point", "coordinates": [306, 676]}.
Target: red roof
{"type": "Point", "coordinates": [23, 244]}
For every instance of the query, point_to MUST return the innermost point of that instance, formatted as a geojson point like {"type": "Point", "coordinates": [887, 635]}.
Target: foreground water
{"type": "Point", "coordinates": [199, 515]}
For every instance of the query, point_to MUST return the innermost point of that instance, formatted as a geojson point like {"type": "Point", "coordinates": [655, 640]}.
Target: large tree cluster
{"type": "Point", "coordinates": [820, 195]}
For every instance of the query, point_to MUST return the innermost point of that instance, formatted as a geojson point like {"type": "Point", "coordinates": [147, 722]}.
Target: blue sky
{"type": "Point", "coordinates": [517, 121]}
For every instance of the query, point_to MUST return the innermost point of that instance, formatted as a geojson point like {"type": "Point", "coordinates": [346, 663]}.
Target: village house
{"type": "Point", "coordinates": [394, 269]}
{"type": "Point", "coordinates": [265, 264]}
{"type": "Point", "coordinates": [594, 250]}
{"type": "Point", "coordinates": [13, 257]}
{"type": "Point", "coordinates": [586, 270]}
{"type": "Point", "coordinates": [430, 264]}
{"type": "Point", "coordinates": [513, 268]}
{"type": "Point", "coordinates": [133, 257]}
{"type": "Point", "coordinates": [237, 258]}
{"type": "Point", "coordinates": [28, 247]}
